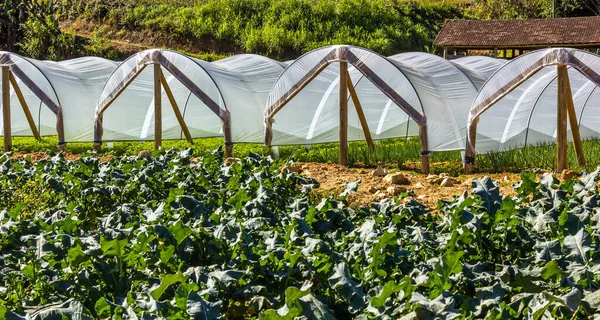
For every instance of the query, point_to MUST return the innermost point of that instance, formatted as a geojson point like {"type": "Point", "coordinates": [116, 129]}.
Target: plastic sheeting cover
{"type": "Point", "coordinates": [527, 115]}
{"type": "Point", "coordinates": [73, 85]}
{"type": "Point", "coordinates": [430, 84]}
{"type": "Point", "coordinates": [239, 84]}
{"type": "Point", "coordinates": [478, 68]}
{"type": "Point", "coordinates": [44, 118]}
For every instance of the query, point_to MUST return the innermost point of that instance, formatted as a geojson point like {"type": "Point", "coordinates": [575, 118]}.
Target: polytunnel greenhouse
{"type": "Point", "coordinates": [194, 98]}
{"type": "Point", "coordinates": [403, 95]}
{"type": "Point", "coordinates": [529, 100]}
{"type": "Point", "coordinates": [52, 98]}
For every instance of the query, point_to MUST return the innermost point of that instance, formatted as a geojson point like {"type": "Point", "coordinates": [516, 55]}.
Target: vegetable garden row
{"type": "Point", "coordinates": [179, 237]}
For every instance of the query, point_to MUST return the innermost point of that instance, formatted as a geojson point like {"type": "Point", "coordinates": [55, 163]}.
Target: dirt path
{"type": "Point", "coordinates": [333, 177]}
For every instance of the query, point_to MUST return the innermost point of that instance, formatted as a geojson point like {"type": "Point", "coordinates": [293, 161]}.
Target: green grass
{"type": "Point", "coordinates": [281, 29]}
{"type": "Point", "coordinates": [396, 153]}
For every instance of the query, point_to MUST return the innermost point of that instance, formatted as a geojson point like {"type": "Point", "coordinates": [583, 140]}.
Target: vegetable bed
{"type": "Point", "coordinates": [178, 237]}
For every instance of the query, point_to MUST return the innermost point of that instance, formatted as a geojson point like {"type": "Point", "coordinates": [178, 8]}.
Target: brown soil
{"type": "Point", "coordinates": [333, 177]}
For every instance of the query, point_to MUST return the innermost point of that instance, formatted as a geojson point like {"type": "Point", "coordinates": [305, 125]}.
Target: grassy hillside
{"type": "Point", "coordinates": [281, 29]}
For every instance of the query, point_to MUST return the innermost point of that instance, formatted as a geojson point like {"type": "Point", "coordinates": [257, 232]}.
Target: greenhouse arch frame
{"type": "Point", "coordinates": [505, 80]}
{"type": "Point", "coordinates": [12, 70]}
{"type": "Point", "coordinates": [158, 59]}
{"type": "Point", "coordinates": [344, 55]}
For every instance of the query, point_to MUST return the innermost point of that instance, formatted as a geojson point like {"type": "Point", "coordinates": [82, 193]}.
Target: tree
{"type": "Point", "coordinates": [529, 9]}
{"type": "Point", "coordinates": [30, 27]}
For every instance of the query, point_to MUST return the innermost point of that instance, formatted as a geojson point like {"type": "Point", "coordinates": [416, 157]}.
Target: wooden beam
{"type": "Point", "coordinates": [24, 105]}
{"type": "Point", "coordinates": [561, 118]}
{"type": "Point", "coordinates": [343, 113]}
{"type": "Point", "coordinates": [121, 88]}
{"type": "Point", "coordinates": [424, 148]}
{"type": "Point", "coordinates": [361, 114]}
{"type": "Point", "coordinates": [470, 147]}
{"type": "Point", "coordinates": [6, 109]}
{"type": "Point", "coordinates": [178, 115]}
{"type": "Point", "coordinates": [563, 76]}
{"type": "Point", "coordinates": [157, 107]}
{"type": "Point", "coordinates": [303, 82]}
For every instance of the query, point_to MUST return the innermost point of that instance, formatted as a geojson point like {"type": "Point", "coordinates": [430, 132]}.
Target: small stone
{"type": "Point", "coordinates": [419, 185]}
{"type": "Point", "coordinates": [295, 167]}
{"type": "Point", "coordinates": [444, 175]}
{"type": "Point", "coordinates": [421, 197]}
{"type": "Point", "coordinates": [567, 174]}
{"type": "Point", "coordinates": [381, 195]}
{"type": "Point", "coordinates": [324, 168]}
{"type": "Point", "coordinates": [506, 178]}
{"type": "Point", "coordinates": [379, 172]}
{"type": "Point", "coordinates": [397, 178]}
{"type": "Point", "coordinates": [230, 161]}
{"type": "Point", "coordinates": [363, 171]}
{"type": "Point", "coordinates": [144, 154]}
{"type": "Point", "coordinates": [373, 189]}
{"type": "Point", "coordinates": [432, 177]}
{"type": "Point", "coordinates": [395, 190]}
{"type": "Point", "coordinates": [447, 183]}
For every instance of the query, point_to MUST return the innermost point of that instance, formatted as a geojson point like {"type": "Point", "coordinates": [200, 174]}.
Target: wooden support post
{"type": "Point", "coordinates": [343, 113]}
{"type": "Point", "coordinates": [6, 108]}
{"type": "Point", "coordinates": [178, 115]}
{"type": "Point", "coordinates": [470, 148]}
{"type": "Point", "coordinates": [561, 118]}
{"type": "Point", "coordinates": [563, 78]}
{"type": "Point", "coordinates": [361, 114]}
{"type": "Point", "coordinates": [495, 52]}
{"type": "Point", "coordinates": [445, 52]}
{"type": "Point", "coordinates": [424, 148]}
{"type": "Point", "coordinates": [157, 107]}
{"type": "Point", "coordinates": [25, 107]}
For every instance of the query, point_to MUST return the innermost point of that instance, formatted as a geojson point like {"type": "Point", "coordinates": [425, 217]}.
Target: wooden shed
{"type": "Point", "coordinates": [510, 38]}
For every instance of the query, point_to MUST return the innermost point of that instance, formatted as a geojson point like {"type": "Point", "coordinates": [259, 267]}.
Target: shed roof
{"type": "Point", "coordinates": [524, 33]}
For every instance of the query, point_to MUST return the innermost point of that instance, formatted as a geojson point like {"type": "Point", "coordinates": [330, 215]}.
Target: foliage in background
{"type": "Point", "coordinates": [278, 28]}
{"type": "Point", "coordinates": [167, 237]}
{"type": "Point", "coordinates": [529, 9]}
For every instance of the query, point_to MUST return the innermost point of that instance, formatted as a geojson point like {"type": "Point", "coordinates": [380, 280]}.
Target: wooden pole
{"type": "Point", "coordinates": [157, 108]}
{"type": "Point", "coordinates": [561, 118]}
{"type": "Point", "coordinates": [178, 115]}
{"type": "Point", "coordinates": [424, 148]}
{"type": "Point", "coordinates": [6, 108]}
{"type": "Point", "coordinates": [24, 105]}
{"type": "Point", "coordinates": [361, 114]}
{"type": "Point", "coordinates": [470, 147]}
{"type": "Point", "coordinates": [563, 76]}
{"type": "Point", "coordinates": [343, 113]}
